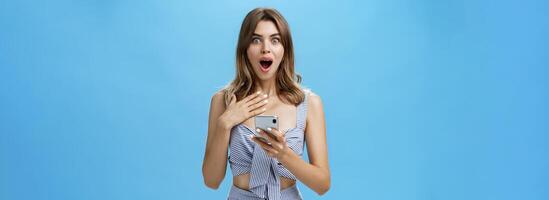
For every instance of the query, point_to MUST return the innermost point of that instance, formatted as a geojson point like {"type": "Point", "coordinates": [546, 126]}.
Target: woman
{"type": "Point", "coordinates": [266, 84]}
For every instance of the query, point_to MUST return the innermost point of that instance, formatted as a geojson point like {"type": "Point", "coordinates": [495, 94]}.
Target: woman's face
{"type": "Point", "coordinates": [266, 51]}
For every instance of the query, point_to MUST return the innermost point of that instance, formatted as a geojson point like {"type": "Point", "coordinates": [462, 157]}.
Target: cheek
{"type": "Point", "coordinates": [252, 53]}
{"type": "Point", "coordinates": [279, 52]}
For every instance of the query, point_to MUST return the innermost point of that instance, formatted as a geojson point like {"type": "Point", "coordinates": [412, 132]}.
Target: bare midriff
{"type": "Point", "coordinates": [243, 182]}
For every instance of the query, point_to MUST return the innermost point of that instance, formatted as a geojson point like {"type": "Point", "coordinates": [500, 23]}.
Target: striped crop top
{"type": "Point", "coordinates": [245, 156]}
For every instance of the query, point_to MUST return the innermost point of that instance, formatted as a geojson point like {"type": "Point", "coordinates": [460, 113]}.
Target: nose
{"type": "Point", "coordinates": [265, 49]}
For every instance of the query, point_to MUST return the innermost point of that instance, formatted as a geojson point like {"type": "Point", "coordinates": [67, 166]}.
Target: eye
{"type": "Point", "coordinates": [256, 40]}
{"type": "Point", "coordinates": [275, 41]}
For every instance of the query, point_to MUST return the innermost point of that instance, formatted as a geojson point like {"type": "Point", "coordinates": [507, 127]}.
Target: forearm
{"type": "Point", "coordinates": [314, 177]}
{"type": "Point", "coordinates": [215, 159]}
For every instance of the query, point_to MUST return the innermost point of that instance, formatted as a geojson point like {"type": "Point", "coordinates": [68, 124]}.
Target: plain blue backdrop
{"type": "Point", "coordinates": [424, 99]}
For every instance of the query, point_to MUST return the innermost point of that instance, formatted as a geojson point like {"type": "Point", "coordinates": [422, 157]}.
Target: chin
{"type": "Point", "coordinates": [265, 77]}
{"type": "Point", "coordinates": [271, 74]}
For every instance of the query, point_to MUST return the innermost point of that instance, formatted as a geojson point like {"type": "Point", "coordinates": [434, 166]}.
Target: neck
{"type": "Point", "coordinates": [267, 87]}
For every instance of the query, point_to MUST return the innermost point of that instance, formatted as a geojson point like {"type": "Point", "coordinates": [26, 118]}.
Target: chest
{"type": "Point", "coordinates": [287, 115]}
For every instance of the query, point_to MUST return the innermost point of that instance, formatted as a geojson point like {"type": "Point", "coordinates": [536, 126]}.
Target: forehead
{"type": "Point", "coordinates": [265, 28]}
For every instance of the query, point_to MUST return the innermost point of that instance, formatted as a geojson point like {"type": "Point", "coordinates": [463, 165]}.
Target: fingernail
{"type": "Point", "coordinates": [258, 92]}
{"type": "Point", "coordinates": [264, 95]}
{"type": "Point", "coordinates": [264, 109]}
{"type": "Point", "coordinates": [258, 130]}
{"type": "Point", "coordinates": [269, 129]}
{"type": "Point", "coordinates": [251, 137]}
{"type": "Point", "coordinates": [266, 101]}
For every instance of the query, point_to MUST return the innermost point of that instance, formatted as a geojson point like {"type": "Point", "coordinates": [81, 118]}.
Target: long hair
{"type": "Point", "coordinates": [287, 81]}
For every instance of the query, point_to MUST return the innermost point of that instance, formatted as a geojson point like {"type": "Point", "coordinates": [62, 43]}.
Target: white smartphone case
{"type": "Point", "coordinates": [265, 121]}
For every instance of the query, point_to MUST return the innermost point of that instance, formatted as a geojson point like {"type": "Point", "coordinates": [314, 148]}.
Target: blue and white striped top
{"type": "Point", "coordinates": [246, 156]}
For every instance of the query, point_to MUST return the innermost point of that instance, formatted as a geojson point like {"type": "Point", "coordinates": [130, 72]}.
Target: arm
{"type": "Point", "coordinates": [220, 122]}
{"type": "Point", "coordinates": [316, 174]}
{"type": "Point", "coordinates": [215, 157]}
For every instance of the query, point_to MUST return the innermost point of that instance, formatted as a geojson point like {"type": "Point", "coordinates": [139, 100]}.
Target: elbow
{"type": "Point", "coordinates": [323, 187]}
{"type": "Point", "coordinates": [322, 190]}
{"type": "Point", "coordinates": [212, 184]}
{"type": "Point", "coordinates": [211, 181]}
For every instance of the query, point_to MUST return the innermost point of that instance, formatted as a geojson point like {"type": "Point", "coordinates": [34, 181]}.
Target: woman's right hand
{"type": "Point", "coordinates": [238, 112]}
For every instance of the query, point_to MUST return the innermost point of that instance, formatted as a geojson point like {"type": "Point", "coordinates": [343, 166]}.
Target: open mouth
{"type": "Point", "coordinates": [265, 64]}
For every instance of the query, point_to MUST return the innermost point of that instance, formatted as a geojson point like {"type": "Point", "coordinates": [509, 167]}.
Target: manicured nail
{"type": "Point", "coordinates": [264, 95]}
{"type": "Point", "coordinates": [269, 129]}
{"type": "Point", "coordinates": [258, 130]}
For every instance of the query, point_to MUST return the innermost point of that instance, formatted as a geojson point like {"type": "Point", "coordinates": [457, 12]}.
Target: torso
{"type": "Point", "coordinates": [287, 117]}
{"type": "Point", "coordinates": [243, 182]}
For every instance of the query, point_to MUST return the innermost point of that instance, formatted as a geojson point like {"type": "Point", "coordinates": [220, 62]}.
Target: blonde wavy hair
{"type": "Point", "coordinates": [287, 81]}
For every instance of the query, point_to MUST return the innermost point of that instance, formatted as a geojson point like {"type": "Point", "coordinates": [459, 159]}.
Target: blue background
{"type": "Point", "coordinates": [423, 99]}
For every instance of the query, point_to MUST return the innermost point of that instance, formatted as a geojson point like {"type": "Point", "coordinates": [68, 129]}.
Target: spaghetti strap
{"type": "Point", "coordinates": [302, 112]}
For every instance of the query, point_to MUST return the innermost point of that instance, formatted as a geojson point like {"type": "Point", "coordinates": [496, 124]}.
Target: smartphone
{"type": "Point", "coordinates": [263, 122]}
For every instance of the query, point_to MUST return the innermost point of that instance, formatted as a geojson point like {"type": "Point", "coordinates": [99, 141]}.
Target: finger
{"type": "Point", "coordinates": [258, 99]}
{"type": "Point", "coordinates": [263, 145]}
{"type": "Point", "coordinates": [252, 96]}
{"type": "Point", "coordinates": [258, 111]}
{"type": "Point", "coordinates": [277, 134]}
{"type": "Point", "coordinates": [271, 138]}
{"type": "Point", "coordinates": [258, 105]}
{"type": "Point", "coordinates": [260, 137]}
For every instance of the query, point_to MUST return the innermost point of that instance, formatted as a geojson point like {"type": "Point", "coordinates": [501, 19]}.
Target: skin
{"type": "Point", "coordinates": [316, 173]}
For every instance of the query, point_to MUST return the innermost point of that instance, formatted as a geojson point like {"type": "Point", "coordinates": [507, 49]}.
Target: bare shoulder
{"type": "Point", "coordinates": [314, 101]}
{"type": "Point", "coordinates": [218, 100]}
{"type": "Point", "coordinates": [315, 110]}
{"type": "Point", "coordinates": [218, 96]}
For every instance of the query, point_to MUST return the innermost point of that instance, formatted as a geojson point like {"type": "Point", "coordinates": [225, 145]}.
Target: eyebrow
{"type": "Point", "coordinates": [272, 35]}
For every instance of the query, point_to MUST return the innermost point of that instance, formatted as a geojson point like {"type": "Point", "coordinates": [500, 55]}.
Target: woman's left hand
{"type": "Point", "coordinates": [275, 146]}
